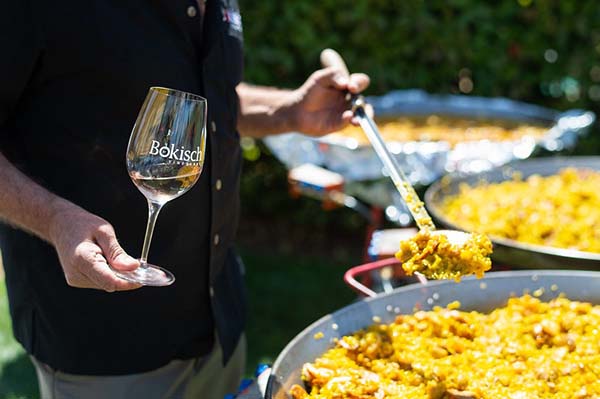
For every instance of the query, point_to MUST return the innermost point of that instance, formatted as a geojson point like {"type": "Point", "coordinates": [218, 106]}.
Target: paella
{"type": "Point", "coordinates": [452, 130]}
{"type": "Point", "coordinates": [561, 210]}
{"type": "Point", "coordinates": [527, 349]}
{"type": "Point", "coordinates": [434, 256]}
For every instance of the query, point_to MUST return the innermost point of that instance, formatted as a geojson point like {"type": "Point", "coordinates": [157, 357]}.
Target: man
{"type": "Point", "coordinates": [74, 75]}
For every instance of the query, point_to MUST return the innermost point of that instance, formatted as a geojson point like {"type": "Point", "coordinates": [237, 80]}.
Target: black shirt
{"type": "Point", "coordinates": [74, 77]}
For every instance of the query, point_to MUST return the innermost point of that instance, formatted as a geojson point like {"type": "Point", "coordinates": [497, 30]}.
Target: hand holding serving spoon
{"type": "Point", "coordinates": [433, 253]}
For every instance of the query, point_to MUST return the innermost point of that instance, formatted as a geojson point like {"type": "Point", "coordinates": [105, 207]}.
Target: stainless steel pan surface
{"type": "Point", "coordinates": [482, 295]}
{"type": "Point", "coordinates": [510, 252]}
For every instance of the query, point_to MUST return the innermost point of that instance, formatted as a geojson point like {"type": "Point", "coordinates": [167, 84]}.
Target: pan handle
{"type": "Point", "coordinates": [352, 273]}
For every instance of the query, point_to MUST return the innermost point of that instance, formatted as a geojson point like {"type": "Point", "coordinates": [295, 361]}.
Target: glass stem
{"type": "Point", "coordinates": [153, 210]}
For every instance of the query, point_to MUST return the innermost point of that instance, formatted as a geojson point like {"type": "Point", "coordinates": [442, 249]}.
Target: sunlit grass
{"type": "Point", "coordinates": [17, 376]}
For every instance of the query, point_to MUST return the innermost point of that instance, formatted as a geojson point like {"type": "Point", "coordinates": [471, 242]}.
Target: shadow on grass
{"type": "Point", "coordinates": [18, 379]}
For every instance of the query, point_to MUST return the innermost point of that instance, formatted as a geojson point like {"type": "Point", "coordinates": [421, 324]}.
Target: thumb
{"type": "Point", "coordinates": [114, 254]}
{"type": "Point", "coordinates": [124, 262]}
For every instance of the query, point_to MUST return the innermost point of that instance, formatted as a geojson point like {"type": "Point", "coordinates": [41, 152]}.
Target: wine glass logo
{"type": "Point", "coordinates": [177, 154]}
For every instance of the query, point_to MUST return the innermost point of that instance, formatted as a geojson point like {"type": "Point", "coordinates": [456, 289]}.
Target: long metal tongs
{"type": "Point", "coordinates": [331, 58]}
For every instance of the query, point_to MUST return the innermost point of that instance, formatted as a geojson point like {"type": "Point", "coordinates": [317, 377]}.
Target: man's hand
{"type": "Point", "coordinates": [86, 244]}
{"type": "Point", "coordinates": [320, 104]}
{"type": "Point", "coordinates": [87, 248]}
{"type": "Point", "coordinates": [317, 107]}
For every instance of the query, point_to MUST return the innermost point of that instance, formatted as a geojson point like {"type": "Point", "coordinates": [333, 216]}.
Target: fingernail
{"type": "Point", "coordinates": [127, 260]}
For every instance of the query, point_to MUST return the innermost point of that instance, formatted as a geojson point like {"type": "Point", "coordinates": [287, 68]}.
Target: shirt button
{"type": "Point", "coordinates": [213, 126]}
{"type": "Point", "coordinates": [218, 184]}
{"type": "Point", "coordinates": [191, 11]}
{"type": "Point", "coordinates": [216, 239]}
{"type": "Point", "coordinates": [211, 292]}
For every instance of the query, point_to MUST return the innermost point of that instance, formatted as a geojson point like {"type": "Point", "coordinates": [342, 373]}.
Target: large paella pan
{"type": "Point", "coordinates": [509, 251]}
{"type": "Point", "coordinates": [482, 295]}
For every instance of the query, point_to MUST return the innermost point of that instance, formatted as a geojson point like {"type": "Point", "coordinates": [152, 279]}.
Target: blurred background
{"type": "Point", "coordinates": [540, 52]}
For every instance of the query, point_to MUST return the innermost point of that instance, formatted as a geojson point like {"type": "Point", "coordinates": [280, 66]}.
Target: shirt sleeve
{"type": "Point", "coordinates": [20, 43]}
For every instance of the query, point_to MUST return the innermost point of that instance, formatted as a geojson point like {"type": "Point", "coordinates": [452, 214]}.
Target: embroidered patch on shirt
{"type": "Point", "coordinates": [233, 18]}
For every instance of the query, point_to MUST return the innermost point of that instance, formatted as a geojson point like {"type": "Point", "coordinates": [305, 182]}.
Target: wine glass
{"type": "Point", "coordinates": [165, 156]}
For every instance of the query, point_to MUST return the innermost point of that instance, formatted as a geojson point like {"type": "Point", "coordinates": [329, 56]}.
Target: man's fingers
{"type": "Point", "coordinates": [124, 262]}
{"type": "Point", "coordinates": [335, 78]}
{"type": "Point", "coordinates": [101, 274]}
{"type": "Point", "coordinates": [331, 77]}
{"type": "Point", "coordinates": [369, 110]}
{"type": "Point", "coordinates": [358, 82]}
{"type": "Point", "coordinates": [116, 256]}
{"type": "Point", "coordinates": [347, 116]}
{"type": "Point", "coordinates": [95, 272]}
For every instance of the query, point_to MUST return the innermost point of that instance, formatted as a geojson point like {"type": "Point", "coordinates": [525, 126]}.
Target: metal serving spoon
{"type": "Point", "coordinates": [330, 57]}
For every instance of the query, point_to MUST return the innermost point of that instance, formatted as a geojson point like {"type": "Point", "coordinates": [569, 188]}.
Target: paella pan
{"type": "Point", "coordinates": [483, 295]}
{"type": "Point", "coordinates": [518, 254]}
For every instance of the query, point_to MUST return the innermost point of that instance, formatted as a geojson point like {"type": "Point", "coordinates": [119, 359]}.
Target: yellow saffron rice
{"type": "Point", "coordinates": [435, 257]}
{"type": "Point", "coordinates": [528, 349]}
{"type": "Point", "coordinates": [561, 210]}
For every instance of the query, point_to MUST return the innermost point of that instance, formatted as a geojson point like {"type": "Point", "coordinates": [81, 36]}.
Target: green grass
{"type": "Point", "coordinates": [17, 376]}
{"type": "Point", "coordinates": [286, 293]}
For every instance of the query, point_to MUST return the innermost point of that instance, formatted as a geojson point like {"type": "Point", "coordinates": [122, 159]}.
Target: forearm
{"type": "Point", "coordinates": [265, 110]}
{"type": "Point", "coordinates": [25, 204]}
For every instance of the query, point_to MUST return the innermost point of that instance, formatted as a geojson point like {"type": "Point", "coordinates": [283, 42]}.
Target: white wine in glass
{"type": "Point", "coordinates": [165, 156]}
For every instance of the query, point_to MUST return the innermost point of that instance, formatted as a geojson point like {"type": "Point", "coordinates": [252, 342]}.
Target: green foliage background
{"type": "Point", "coordinates": [543, 52]}
{"type": "Point", "coordinates": [425, 44]}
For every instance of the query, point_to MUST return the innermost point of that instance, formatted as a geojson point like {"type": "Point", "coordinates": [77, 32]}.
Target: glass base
{"type": "Point", "coordinates": [148, 274]}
